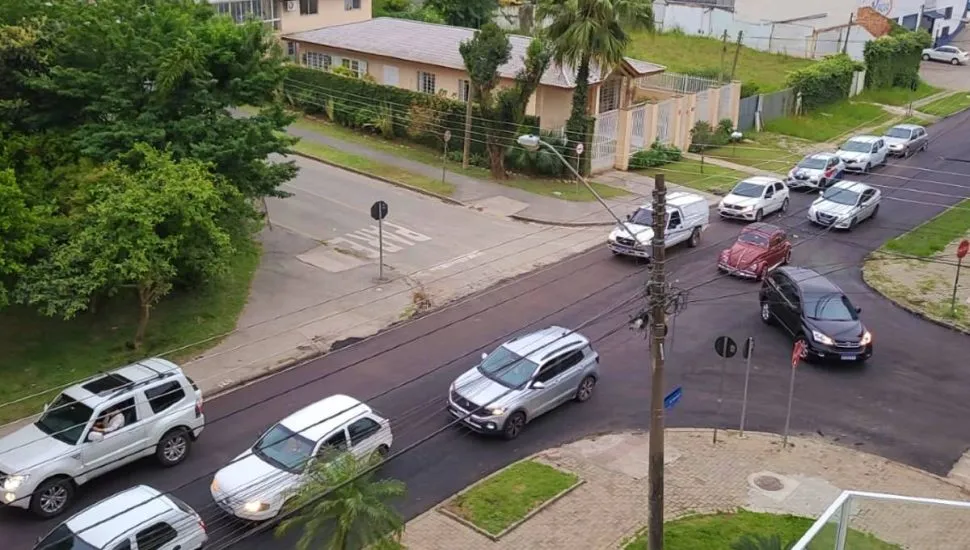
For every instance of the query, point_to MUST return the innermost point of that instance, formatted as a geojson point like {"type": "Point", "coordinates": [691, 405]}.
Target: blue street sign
{"type": "Point", "coordinates": [673, 397]}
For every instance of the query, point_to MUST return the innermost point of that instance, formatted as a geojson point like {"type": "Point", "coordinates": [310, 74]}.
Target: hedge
{"type": "Point", "coordinates": [824, 82]}
{"type": "Point", "coordinates": [388, 110]}
{"type": "Point", "coordinates": [894, 60]}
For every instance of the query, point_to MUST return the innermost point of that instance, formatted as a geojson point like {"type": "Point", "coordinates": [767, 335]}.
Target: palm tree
{"type": "Point", "coordinates": [761, 542]}
{"type": "Point", "coordinates": [590, 31]}
{"type": "Point", "coordinates": [340, 497]}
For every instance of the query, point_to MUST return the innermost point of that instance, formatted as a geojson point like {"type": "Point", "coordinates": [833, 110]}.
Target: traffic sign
{"type": "Point", "coordinates": [447, 135]}
{"type": "Point", "coordinates": [378, 210]}
{"type": "Point", "coordinates": [797, 353]}
{"type": "Point", "coordinates": [673, 397]}
{"type": "Point", "coordinates": [963, 248]}
{"type": "Point", "coordinates": [580, 148]}
{"type": "Point", "coordinates": [725, 347]}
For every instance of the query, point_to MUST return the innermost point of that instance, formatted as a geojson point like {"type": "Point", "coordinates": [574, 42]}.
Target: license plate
{"type": "Point", "coordinates": [848, 357]}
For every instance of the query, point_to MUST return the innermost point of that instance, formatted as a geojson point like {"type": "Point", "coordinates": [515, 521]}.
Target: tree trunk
{"type": "Point", "coordinates": [576, 126]}
{"type": "Point", "coordinates": [496, 160]}
{"type": "Point", "coordinates": [145, 299]}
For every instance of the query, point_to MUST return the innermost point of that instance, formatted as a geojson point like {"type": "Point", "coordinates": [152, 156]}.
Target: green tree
{"type": "Point", "coordinates": [504, 110]}
{"type": "Point", "coordinates": [343, 501]}
{"type": "Point", "coordinates": [586, 32]}
{"type": "Point", "coordinates": [22, 232]}
{"type": "Point", "coordinates": [405, 9]}
{"type": "Point", "coordinates": [473, 14]}
{"type": "Point", "coordinates": [144, 226]}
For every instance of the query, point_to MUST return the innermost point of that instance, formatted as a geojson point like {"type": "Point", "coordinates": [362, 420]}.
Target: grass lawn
{"type": "Point", "coordinates": [764, 151]}
{"type": "Point", "coordinates": [934, 235]}
{"type": "Point", "coordinates": [40, 353]}
{"type": "Point", "coordinates": [897, 96]}
{"type": "Point", "coordinates": [505, 498]}
{"type": "Point", "coordinates": [720, 531]}
{"type": "Point", "coordinates": [907, 120]}
{"type": "Point", "coordinates": [690, 173]}
{"type": "Point", "coordinates": [682, 54]}
{"type": "Point", "coordinates": [945, 106]}
{"type": "Point", "coordinates": [831, 122]}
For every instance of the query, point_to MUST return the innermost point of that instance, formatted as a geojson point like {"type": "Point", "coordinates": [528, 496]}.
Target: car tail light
{"type": "Point", "coordinates": [198, 408]}
{"type": "Point", "coordinates": [202, 525]}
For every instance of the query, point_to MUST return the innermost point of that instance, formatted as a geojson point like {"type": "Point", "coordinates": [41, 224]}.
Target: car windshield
{"type": "Point", "coordinates": [745, 189]}
{"type": "Point", "coordinates": [829, 306]}
{"type": "Point", "coordinates": [284, 448]}
{"type": "Point", "coordinates": [753, 237]}
{"type": "Point", "coordinates": [62, 538]}
{"type": "Point", "coordinates": [65, 419]}
{"type": "Point", "coordinates": [812, 163]}
{"type": "Point", "coordinates": [507, 368]}
{"type": "Point", "coordinates": [841, 196]}
{"type": "Point", "coordinates": [642, 216]}
{"type": "Point", "coordinates": [856, 146]}
{"type": "Point", "coordinates": [899, 133]}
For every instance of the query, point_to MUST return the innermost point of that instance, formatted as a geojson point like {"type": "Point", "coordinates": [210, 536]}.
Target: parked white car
{"type": "Point", "coordinates": [845, 204]}
{"type": "Point", "coordinates": [863, 153]}
{"type": "Point", "coordinates": [42, 464]}
{"type": "Point", "coordinates": [947, 54]}
{"type": "Point", "coordinates": [688, 215]}
{"type": "Point", "coordinates": [816, 171]}
{"type": "Point", "coordinates": [258, 482]}
{"type": "Point", "coordinates": [753, 198]}
{"type": "Point", "coordinates": [140, 517]}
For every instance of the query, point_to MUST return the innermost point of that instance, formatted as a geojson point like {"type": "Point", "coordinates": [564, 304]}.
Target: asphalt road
{"type": "Point", "coordinates": [905, 404]}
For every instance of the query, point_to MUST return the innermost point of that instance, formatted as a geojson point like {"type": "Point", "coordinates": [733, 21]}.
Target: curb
{"type": "Point", "coordinates": [910, 309]}
{"type": "Point", "coordinates": [529, 219]}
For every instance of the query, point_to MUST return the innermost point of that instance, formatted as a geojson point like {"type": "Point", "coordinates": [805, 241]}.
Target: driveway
{"type": "Point", "coordinates": [943, 75]}
{"type": "Point", "coordinates": [902, 404]}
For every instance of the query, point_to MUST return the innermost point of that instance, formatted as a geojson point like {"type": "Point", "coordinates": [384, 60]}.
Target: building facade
{"type": "Point", "coordinates": [286, 16]}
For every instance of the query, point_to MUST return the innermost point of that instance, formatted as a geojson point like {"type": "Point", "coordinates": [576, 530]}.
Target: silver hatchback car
{"type": "Point", "coordinates": [523, 379]}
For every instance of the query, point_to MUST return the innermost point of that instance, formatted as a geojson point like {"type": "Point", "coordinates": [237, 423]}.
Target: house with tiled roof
{"type": "Point", "coordinates": [424, 57]}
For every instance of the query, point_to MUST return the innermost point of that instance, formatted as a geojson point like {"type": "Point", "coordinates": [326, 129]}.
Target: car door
{"type": "Point", "coordinates": [364, 436]}
{"type": "Point", "coordinates": [784, 301]}
{"type": "Point", "coordinates": [767, 200]}
{"type": "Point", "coordinates": [867, 203]}
{"type": "Point", "coordinates": [117, 448]}
{"type": "Point", "coordinates": [776, 250]}
{"type": "Point", "coordinates": [883, 149]}
{"type": "Point", "coordinates": [542, 399]}
{"type": "Point", "coordinates": [676, 231]}
{"type": "Point", "coordinates": [781, 193]}
{"type": "Point", "coordinates": [920, 139]}
{"type": "Point", "coordinates": [570, 373]}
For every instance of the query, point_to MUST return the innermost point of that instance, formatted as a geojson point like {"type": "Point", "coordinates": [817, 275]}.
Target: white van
{"type": "Point", "coordinates": [687, 215]}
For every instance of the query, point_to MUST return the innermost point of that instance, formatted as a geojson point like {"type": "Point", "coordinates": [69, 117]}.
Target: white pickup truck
{"type": "Point", "coordinates": [687, 216]}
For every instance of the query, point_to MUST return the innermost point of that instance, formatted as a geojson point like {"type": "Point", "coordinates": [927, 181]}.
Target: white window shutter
{"type": "Point", "coordinates": [363, 69]}
{"type": "Point", "coordinates": [391, 76]}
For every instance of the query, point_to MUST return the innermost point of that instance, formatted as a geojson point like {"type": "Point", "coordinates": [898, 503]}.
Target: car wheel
{"type": "Point", "coordinates": [954, 61]}
{"type": "Point", "coordinates": [926, 57]}
{"type": "Point", "coordinates": [784, 206]}
{"type": "Point", "coordinates": [585, 390]}
{"type": "Point", "coordinates": [381, 453]}
{"type": "Point", "coordinates": [852, 223]}
{"type": "Point", "coordinates": [866, 168]}
{"type": "Point", "coordinates": [925, 145]}
{"type": "Point", "coordinates": [822, 184]}
{"type": "Point", "coordinates": [766, 317]}
{"type": "Point", "coordinates": [173, 447]}
{"type": "Point", "coordinates": [804, 344]}
{"type": "Point", "coordinates": [695, 238]}
{"type": "Point", "coordinates": [513, 426]}
{"type": "Point", "coordinates": [52, 497]}
{"type": "Point", "coordinates": [759, 214]}
{"type": "Point", "coordinates": [874, 211]}
{"type": "Point", "coordinates": [787, 259]}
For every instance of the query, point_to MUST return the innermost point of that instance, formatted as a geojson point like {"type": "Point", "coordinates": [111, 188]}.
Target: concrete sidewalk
{"type": "Point", "coordinates": [753, 473]}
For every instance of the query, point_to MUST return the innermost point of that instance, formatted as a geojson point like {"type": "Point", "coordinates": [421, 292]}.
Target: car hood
{"type": "Point", "coordinates": [852, 157]}
{"type": "Point", "coordinates": [894, 141]}
{"type": "Point", "coordinates": [248, 478]}
{"type": "Point", "coordinates": [806, 172]}
{"type": "Point", "coordinates": [475, 387]}
{"type": "Point", "coordinates": [29, 447]}
{"type": "Point", "coordinates": [643, 233]}
{"type": "Point", "coordinates": [833, 208]}
{"type": "Point", "coordinates": [838, 330]}
{"type": "Point", "coordinates": [742, 255]}
{"type": "Point", "coordinates": [737, 200]}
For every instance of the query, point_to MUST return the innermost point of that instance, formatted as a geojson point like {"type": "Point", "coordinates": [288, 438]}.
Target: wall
{"type": "Point", "coordinates": [898, 9]}
{"type": "Point", "coordinates": [831, 41]}
{"type": "Point", "coordinates": [330, 13]}
{"type": "Point", "coordinates": [836, 12]}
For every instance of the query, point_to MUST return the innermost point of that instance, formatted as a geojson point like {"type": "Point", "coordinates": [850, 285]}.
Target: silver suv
{"type": "Point", "coordinates": [97, 426]}
{"type": "Point", "coordinates": [524, 378]}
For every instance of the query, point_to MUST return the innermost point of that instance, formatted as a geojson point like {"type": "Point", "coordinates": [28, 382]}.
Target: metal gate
{"type": "Point", "coordinates": [603, 155]}
{"type": "Point", "coordinates": [746, 113]}
{"type": "Point", "coordinates": [665, 117]}
{"type": "Point", "coordinates": [703, 111]}
{"type": "Point", "coordinates": [638, 129]}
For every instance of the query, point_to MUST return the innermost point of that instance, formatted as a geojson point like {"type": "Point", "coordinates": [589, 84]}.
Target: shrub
{"type": "Point", "coordinates": [824, 82]}
{"type": "Point", "coordinates": [389, 110]}
{"type": "Point", "coordinates": [894, 60]}
{"type": "Point", "coordinates": [542, 162]}
{"type": "Point", "coordinates": [658, 154]}
{"type": "Point", "coordinates": [749, 89]}
{"type": "Point", "coordinates": [703, 136]}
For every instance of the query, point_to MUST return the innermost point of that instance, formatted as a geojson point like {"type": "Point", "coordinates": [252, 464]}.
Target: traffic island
{"type": "Point", "coordinates": [505, 500]}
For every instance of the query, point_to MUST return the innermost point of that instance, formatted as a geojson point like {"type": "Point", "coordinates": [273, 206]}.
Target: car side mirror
{"type": "Point", "coordinates": [629, 217]}
{"type": "Point", "coordinates": [95, 436]}
{"type": "Point", "coordinates": [537, 385]}
{"type": "Point", "coordinates": [858, 310]}
{"type": "Point", "coordinates": [484, 356]}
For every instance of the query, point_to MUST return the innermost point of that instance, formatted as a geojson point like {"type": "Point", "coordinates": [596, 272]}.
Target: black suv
{"type": "Point", "coordinates": [813, 309]}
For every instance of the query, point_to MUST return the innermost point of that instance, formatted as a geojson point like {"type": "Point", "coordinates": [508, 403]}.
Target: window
{"type": "Point", "coordinates": [391, 75]}
{"type": "Point", "coordinates": [65, 419]}
{"type": "Point", "coordinates": [507, 368]}
{"type": "Point", "coordinates": [126, 545]}
{"type": "Point", "coordinates": [776, 240]}
{"type": "Point", "coordinates": [316, 60]}
{"type": "Point", "coordinates": [308, 7]}
{"type": "Point", "coordinates": [62, 538]}
{"type": "Point", "coordinates": [291, 48]}
{"type": "Point", "coordinates": [155, 537]}
{"type": "Point", "coordinates": [283, 448]}
{"type": "Point", "coordinates": [779, 186]}
{"type": "Point", "coordinates": [833, 162]}
{"type": "Point", "coordinates": [609, 95]}
{"type": "Point", "coordinates": [550, 371]}
{"type": "Point", "coordinates": [106, 383]}
{"type": "Point", "coordinates": [336, 442]}
{"type": "Point", "coordinates": [674, 222]}
{"type": "Point", "coordinates": [351, 4]}
{"type": "Point", "coordinates": [948, 14]}
{"type": "Point", "coordinates": [164, 396]}
{"type": "Point", "coordinates": [362, 429]}
{"type": "Point", "coordinates": [359, 67]}
{"type": "Point", "coordinates": [769, 192]}
{"type": "Point", "coordinates": [426, 82]}
{"type": "Point", "coordinates": [464, 90]}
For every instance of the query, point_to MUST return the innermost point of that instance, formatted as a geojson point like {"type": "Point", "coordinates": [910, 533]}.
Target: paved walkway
{"type": "Point", "coordinates": [752, 473]}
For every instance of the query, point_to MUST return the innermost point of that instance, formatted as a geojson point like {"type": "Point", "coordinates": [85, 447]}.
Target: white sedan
{"type": "Point", "coordinates": [258, 482]}
{"type": "Point", "coordinates": [947, 54]}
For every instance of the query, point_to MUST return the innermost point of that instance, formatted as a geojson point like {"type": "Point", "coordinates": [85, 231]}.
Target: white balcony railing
{"type": "Point", "coordinates": [266, 11]}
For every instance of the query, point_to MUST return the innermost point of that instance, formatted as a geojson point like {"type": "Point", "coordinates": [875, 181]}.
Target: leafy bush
{"type": "Point", "coordinates": [389, 110]}
{"type": "Point", "coordinates": [658, 154]}
{"type": "Point", "coordinates": [703, 136]}
{"type": "Point", "coordinates": [542, 162]}
{"type": "Point", "coordinates": [749, 89]}
{"type": "Point", "coordinates": [894, 60]}
{"type": "Point", "coordinates": [824, 82]}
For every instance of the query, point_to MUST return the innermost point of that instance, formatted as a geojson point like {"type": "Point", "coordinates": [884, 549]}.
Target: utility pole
{"type": "Point", "coordinates": [737, 51]}
{"type": "Point", "coordinates": [658, 333]}
{"type": "Point", "coordinates": [720, 67]}
{"type": "Point", "coordinates": [466, 151]}
{"type": "Point", "coordinates": [848, 31]}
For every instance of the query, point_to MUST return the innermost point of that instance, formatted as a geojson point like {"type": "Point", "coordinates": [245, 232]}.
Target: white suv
{"type": "Point", "coordinates": [140, 517]}
{"type": "Point", "coordinates": [754, 197]}
{"type": "Point", "coordinates": [863, 153]}
{"type": "Point", "coordinates": [80, 435]}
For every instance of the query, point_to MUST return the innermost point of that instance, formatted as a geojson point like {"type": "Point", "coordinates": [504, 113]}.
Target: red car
{"type": "Point", "coordinates": [760, 247]}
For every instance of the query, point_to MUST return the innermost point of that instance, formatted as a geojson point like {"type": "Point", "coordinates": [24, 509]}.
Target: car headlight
{"type": "Point", "coordinates": [821, 338]}
{"type": "Point", "coordinates": [256, 506]}
{"type": "Point", "coordinates": [747, 208]}
{"type": "Point", "coordinates": [214, 487]}
{"type": "Point", "coordinates": [866, 339]}
{"type": "Point", "coordinates": [495, 411]}
{"type": "Point", "coordinates": [12, 483]}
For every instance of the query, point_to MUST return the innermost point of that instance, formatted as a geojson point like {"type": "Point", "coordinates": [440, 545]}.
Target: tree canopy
{"type": "Point", "coordinates": [464, 13]}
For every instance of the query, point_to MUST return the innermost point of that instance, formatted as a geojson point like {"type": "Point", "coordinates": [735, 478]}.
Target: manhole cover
{"type": "Point", "coordinates": [769, 483]}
